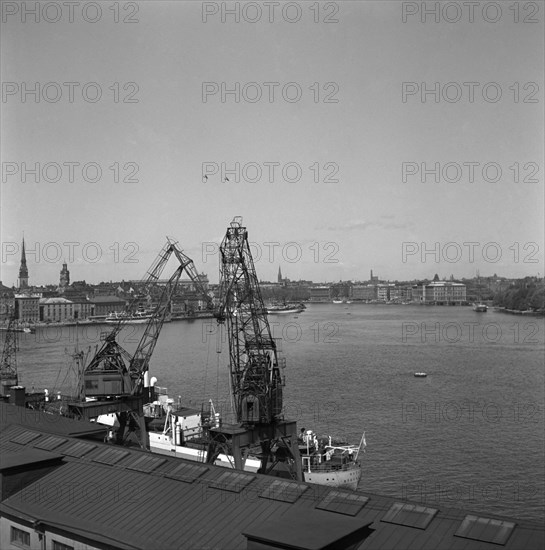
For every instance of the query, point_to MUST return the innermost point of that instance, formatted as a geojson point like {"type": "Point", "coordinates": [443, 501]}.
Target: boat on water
{"type": "Point", "coordinates": [285, 308]}
{"type": "Point", "coordinates": [480, 307]}
{"type": "Point", "coordinates": [27, 330]}
{"type": "Point", "coordinates": [420, 374]}
{"type": "Point", "coordinates": [337, 301]}
{"type": "Point", "coordinates": [326, 463]}
{"type": "Point", "coordinates": [183, 432]}
{"type": "Point", "coordinates": [137, 318]}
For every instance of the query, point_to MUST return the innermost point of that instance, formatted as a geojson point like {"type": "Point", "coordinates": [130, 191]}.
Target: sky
{"type": "Point", "coordinates": [340, 117]}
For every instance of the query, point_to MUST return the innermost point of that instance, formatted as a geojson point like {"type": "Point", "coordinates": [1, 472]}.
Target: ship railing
{"type": "Point", "coordinates": [310, 463]}
{"type": "Point", "coordinates": [324, 467]}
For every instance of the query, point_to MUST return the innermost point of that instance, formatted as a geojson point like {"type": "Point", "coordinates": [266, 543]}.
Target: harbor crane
{"type": "Point", "coordinates": [8, 363]}
{"type": "Point", "coordinates": [254, 365]}
{"type": "Point", "coordinates": [114, 380]}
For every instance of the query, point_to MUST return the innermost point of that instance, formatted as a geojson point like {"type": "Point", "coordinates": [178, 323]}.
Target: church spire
{"type": "Point", "coordinates": [23, 269]}
{"type": "Point", "coordinates": [279, 275]}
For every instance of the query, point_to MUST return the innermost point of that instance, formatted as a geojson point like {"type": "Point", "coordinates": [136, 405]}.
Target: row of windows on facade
{"type": "Point", "coordinates": [21, 539]}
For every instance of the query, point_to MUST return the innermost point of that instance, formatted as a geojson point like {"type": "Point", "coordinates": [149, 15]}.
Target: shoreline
{"type": "Point", "coordinates": [530, 313]}
{"type": "Point", "coordinates": [86, 322]}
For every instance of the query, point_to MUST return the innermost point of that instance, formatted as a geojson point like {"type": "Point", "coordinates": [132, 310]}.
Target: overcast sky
{"type": "Point", "coordinates": [346, 191]}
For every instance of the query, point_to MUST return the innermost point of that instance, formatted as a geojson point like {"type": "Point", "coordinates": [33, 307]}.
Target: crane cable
{"type": "Point", "coordinates": [206, 367]}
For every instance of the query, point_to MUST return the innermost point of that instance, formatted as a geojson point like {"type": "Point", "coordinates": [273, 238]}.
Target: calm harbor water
{"type": "Point", "coordinates": [470, 434]}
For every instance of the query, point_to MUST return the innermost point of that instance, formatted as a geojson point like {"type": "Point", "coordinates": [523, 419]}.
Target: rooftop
{"type": "Point", "coordinates": [107, 299]}
{"type": "Point", "coordinates": [54, 300]}
{"type": "Point", "coordinates": [119, 497]}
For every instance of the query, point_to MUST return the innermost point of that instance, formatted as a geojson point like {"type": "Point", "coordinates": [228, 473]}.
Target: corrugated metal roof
{"type": "Point", "coordinates": [158, 508]}
{"type": "Point", "coordinates": [309, 530]}
{"type": "Point", "coordinates": [48, 423]}
{"type": "Point", "coordinates": [25, 458]}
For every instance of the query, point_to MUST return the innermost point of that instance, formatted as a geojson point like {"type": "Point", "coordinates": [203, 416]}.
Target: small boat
{"type": "Point", "coordinates": [337, 301]}
{"type": "Point", "coordinates": [27, 330]}
{"type": "Point", "coordinates": [285, 308]}
{"type": "Point", "coordinates": [137, 318]}
{"type": "Point", "coordinates": [480, 307]}
{"type": "Point", "coordinates": [420, 374]}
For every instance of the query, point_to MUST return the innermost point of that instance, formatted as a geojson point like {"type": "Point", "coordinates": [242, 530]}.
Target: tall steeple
{"type": "Point", "coordinates": [65, 277]}
{"type": "Point", "coordinates": [279, 275]}
{"type": "Point", "coordinates": [23, 269]}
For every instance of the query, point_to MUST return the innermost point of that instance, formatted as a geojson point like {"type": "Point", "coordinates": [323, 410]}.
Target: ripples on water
{"type": "Point", "coordinates": [469, 435]}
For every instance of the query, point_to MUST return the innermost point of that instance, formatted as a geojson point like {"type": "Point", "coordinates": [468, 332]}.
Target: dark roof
{"type": "Point", "coordinates": [4, 288]}
{"type": "Point", "coordinates": [50, 423]}
{"type": "Point", "coordinates": [309, 530]}
{"type": "Point", "coordinates": [185, 411]}
{"type": "Point", "coordinates": [128, 498]}
{"type": "Point", "coordinates": [107, 300]}
{"type": "Point", "coordinates": [26, 457]}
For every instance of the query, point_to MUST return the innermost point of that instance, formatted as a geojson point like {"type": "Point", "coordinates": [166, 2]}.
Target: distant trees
{"type": "Point", "coordinates": [523, 295]}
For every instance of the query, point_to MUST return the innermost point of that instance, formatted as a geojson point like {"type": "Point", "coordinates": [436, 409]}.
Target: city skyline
{"type": "Point", "coordinates": [65, 274]}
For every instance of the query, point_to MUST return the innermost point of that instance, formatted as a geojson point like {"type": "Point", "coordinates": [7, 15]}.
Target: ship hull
{"type": "Point", "coordinates": [283, 311]}
{"type": "Point", "coordinates": [141, 321]}
{"type": "Point", "coordinates": [338, 471]}
{"type": "Point", "coordinates": [346, 479]}
{"type": "Point", "coordinates": [162, 444]}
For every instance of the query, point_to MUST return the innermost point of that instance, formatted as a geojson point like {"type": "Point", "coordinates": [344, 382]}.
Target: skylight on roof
{"type": "Point", "coordinates": [25, 437]}
{"type": "Point", "coordinates": [343, 502]}
{"type": "Point", "coordinates": [411, 515]}
{"type": "Point", "coordinates": [485, 529]}
{"type": "Point", "coordinates": [232, 481]}
{"type": "Point", "coordinates": [146, 463]}
{"type": "Point", "coordinates": [110, 456]}
{"type": "Point", "coordinates": [187, 472]}
{"type": "Point", "coordinates": [285, 491]}
{"type": "Point", "coordinates": [78, 449]}
{"type": "Point", "coordinates": [49, 443]}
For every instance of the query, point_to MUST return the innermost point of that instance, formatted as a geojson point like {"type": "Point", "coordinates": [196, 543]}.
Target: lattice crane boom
{"type": "Point", "coordinates": [139, 363]}
{"type": "Point", "coordinates": [254, 365]}
{"type": "Point", "coordinates": [113, 371]}
{"type": "Point", "coordinates": [8, 363]}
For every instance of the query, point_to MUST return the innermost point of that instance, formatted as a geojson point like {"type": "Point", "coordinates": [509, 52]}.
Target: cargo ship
{"type": "Point", "coordinates": [183, 432]}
